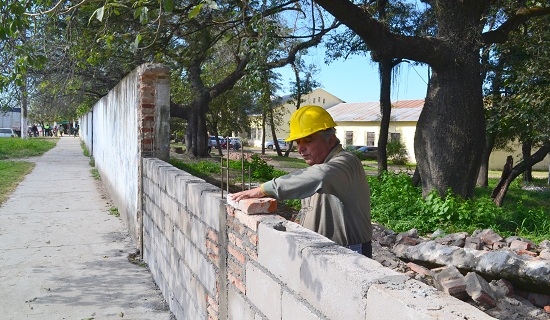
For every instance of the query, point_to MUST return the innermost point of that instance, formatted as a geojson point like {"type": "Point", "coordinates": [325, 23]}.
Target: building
{"type": "Point", "coordinates": [10, 118]}
{"type": "Point", "coordinates": [359, 123]}
{"type": "Point", "coordinates": [282, 111]}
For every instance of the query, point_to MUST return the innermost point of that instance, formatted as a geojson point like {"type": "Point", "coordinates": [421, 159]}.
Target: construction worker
{"type": "Point", "coordinates": [334, 192]}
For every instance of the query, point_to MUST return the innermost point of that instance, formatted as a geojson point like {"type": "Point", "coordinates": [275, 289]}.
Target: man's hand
{"type": "Point", "coordinates": [252, 193]}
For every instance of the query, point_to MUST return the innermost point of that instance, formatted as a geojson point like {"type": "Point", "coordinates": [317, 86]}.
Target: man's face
{"type": "Point", "coordinates": [315, 148]}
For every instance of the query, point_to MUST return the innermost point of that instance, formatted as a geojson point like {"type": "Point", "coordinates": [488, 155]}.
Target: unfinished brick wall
{"type": "Point", "coordinates": [214, 260]}
{"type": "Point", "coordinates": [129, 123]}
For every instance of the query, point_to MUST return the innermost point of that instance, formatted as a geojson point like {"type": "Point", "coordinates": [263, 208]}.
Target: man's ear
{"type": "Point", "coordinates": [332, 141]}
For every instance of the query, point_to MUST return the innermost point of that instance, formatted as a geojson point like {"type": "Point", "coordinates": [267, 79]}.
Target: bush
{"type": "Point", "coordinates": [398, 205]}
{"type": "Point", "coordinates": [397, 153]}
{"type": "Point", "coordinates": [260, 170]}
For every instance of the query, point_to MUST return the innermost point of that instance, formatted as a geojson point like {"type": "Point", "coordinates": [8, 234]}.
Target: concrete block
{"type": "Point", "coordinates": [194, 196]}
{"type": "Point", "coordinates": [263, 291]}
{"type": "Point", "coordinates": [168, 182]}
{"type": "Point", "coordinates": [183, 221]}
{"type": "Point", "coordinates": [415, 300]}
{"type": "Point", "coordinates": [207, 274]}
{"type": "Point", "coordinates": [166, 177]}
{"type": "Point", "coordinates": [281, 251]}
{"type": "Point", "coordinates": [294, 307]}
{"type": "Point", "coordinates": [252, 221]}
{"type": "Point", "coordinates": [239, 307]}
{"type": "Point", "coordinates": [157, 170]}
{"type": "Point", "coordinates": [335, 280]}
{"type": "Point", "coordinates": [182, 182]}
{"type": "Point", "coordinates": [213, 207]}
{"type": "Point", "coordinates": [198, 234]}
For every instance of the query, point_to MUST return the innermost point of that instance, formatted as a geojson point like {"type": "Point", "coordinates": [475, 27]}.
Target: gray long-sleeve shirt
{"type": "Point", "coordinates": [335, 197]}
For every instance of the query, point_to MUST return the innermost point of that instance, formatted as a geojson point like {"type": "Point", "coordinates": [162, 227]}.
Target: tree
{"type": "Point", "coordinates": [399, 17]}
{"type": "Point", "coordinates": [521, 81]}
{"type": "Point", "coordinates": [250, 32]}
{"type": "Point", "coordinates": [451, 129]}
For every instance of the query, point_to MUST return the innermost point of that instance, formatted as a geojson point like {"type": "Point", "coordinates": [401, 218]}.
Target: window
{"type": "Point", "coordinates": [370, 139]}
{"type": "Point", "coordinates": [349, 138]}
{"type": "Point", "coordinates": [323, 100]}
{"type": "Point", "coordinates": [313, 100]}
{"type": "Point", "coordinates": [395, 137]}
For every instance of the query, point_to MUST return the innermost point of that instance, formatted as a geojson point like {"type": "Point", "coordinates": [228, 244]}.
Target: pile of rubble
{"type": "Point", "coordinates": [506, 278]}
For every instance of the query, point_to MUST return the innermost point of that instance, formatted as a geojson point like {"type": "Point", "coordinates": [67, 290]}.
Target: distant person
{"type": "Point", "coordinates": [34, 130]}
{"type": "Point", "coordinates": [334, 189]}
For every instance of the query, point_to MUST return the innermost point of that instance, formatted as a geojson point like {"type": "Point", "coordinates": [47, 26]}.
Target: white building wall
{"type": "Point", "coordinates": [317, 97]}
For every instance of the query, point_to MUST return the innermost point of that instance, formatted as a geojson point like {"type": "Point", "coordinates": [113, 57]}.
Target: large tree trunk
{"type": "Point", "coordinates": [450, 134]}
{"type": "Point", "coordinates": [451, 129]}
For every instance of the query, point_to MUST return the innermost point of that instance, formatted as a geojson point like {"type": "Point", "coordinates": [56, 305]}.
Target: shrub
{"type": "Point", "coordinates": [398, 205]}
{"type": "Point", "coordinates": [397, 152]}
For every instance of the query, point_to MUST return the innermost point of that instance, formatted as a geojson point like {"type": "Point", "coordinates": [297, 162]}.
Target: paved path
{"type": "Point", "coordinates": [62, 256]}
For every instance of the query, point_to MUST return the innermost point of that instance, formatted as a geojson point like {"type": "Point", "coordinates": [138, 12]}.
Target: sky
{"type": "Point", "coordinates": [356, 79]}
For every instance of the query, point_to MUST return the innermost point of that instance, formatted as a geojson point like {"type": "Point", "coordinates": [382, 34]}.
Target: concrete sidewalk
{"type": "Point", "coordinates": [62, 256]}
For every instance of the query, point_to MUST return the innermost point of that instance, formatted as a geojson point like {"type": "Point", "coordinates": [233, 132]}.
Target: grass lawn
{"type": "Point", "coordinates": [12, 171]}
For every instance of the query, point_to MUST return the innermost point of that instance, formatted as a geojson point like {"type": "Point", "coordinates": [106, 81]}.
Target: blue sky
{"type": "Point", "coordinates": [356, 79]}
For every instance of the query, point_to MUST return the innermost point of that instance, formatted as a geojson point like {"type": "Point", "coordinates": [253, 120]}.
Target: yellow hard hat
{"type": "Point", "coordinates": [307, 120]}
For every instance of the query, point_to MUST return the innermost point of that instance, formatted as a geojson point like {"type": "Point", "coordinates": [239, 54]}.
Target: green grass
{"type": "Point", "coordinates": [11, 148]}
{"type": "Point", "coordinates": [13, 172]}
{"type": "Point", "coordinates": [397, 205]}
{"type": "Point", "coordinates": [95, 174]}
{"type": "Point", "coordinates": [114, 212]}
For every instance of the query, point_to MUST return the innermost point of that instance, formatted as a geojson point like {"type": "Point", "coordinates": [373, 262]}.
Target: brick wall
{"type": "Point", "coordinates": [129, 123]}
{"type": "Point", "coordinates": [214, 260]}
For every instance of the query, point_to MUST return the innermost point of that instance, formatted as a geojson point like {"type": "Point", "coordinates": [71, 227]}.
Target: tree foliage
{"type": "Point", "coordinates": [450, 133]}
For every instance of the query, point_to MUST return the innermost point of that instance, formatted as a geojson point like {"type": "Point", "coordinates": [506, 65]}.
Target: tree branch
{"type": "Point", "coordinates": [500, 35]}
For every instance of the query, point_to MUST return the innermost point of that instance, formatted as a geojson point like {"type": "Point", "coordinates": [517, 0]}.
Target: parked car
{"type": "Point", "coordinates": [282, 144]}
{"type": "Point", "coordinates": [9, 132]}
{"type": "Point", "coordinates": [214, 143]}
{"type": "Point", "coordinates": [366, 153]}
{"type": "Point", "coordinates": [353, 148]}
{"type": "Point", "coordinates": [234, 143]}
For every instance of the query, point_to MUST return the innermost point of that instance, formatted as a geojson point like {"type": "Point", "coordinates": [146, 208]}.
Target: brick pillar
{"type": "Point", "coordinates": [154, 111]}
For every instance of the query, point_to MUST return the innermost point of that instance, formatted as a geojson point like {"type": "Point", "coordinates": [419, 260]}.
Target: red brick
{"type": "Point", "coordinates": [528, 253]}
{"type": "Point", "coordinates": [419, 269]}
{"type": "Point", "coordinates": [212, 302]}
{"type": "Point", "coordinates": [212, 246]}
{"type": "Point", "coordinates": [235, 253]}
{"type": "Point", "coordinates": [255, 205]}
{"type": "Point", "coordinates": [253, 238]}
{"type": "Point", "coordinates": [520, 245]}
{"type": "Point", "coordinates": [237, 283]}
{"type": "Point", "coordinates": [212, 235]}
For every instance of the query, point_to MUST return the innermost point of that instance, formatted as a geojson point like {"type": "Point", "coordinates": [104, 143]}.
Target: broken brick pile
{"type": "Point", "coordinates": [507, 278]}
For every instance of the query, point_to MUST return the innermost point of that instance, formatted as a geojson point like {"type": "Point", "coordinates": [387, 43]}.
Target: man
{"type": "Point", "coordinates": [334, 190]}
